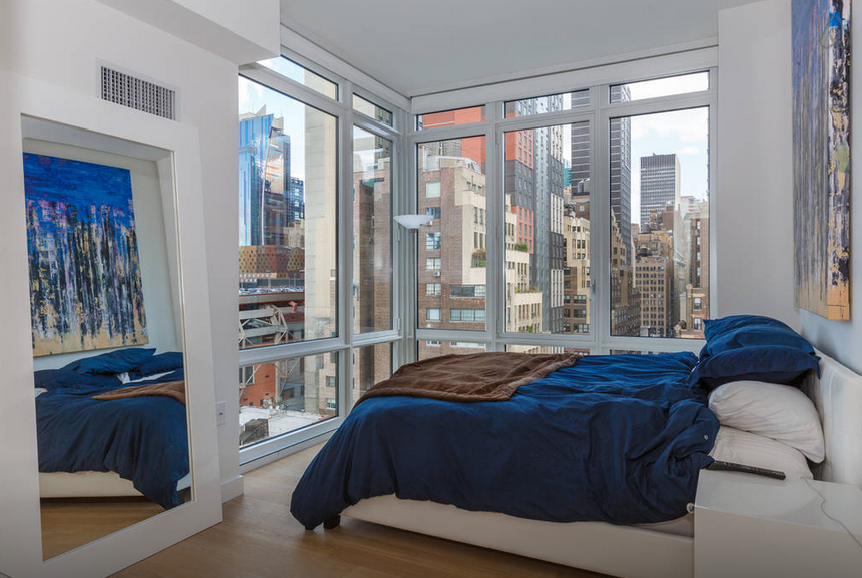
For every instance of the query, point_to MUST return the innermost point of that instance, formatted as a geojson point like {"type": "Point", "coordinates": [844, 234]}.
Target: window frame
{"type": "Point", "coordinates": [346, 341]}
{"type": "Point", "coordinates": [599, 112]}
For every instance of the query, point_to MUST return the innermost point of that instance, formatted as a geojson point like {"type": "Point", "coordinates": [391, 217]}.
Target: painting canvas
{"type": "Point", "coordinates": [821, 155]}
{"type": "Point", "coordinates": [85, 279]}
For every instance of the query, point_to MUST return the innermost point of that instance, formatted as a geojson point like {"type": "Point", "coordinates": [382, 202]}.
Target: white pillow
{"type": "Point", "coordinates": [742, 447]}
{"type": "Point", "coordinates": [777, 411]}
{"type": "Point", "coordinates": [40, 391]}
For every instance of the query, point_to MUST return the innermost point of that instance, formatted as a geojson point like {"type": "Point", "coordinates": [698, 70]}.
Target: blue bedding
{"type": "Point", "coordinates": [618, 438]}
{"type": "Point", "coordinates": [143, 439]}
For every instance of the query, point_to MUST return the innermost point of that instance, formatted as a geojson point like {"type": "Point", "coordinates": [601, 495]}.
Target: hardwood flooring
{"type": "Point", "coordinates": [68, 524]}
{"type": "Point", "coordinates": [260, 539]}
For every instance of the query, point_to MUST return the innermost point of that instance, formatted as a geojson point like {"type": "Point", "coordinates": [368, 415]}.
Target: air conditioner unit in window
{"type": "Point", "coordinates": [435, 274]}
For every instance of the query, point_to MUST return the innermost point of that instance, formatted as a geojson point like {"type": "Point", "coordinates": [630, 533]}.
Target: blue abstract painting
{"type": "Point", "coordinates": [85, 279]}
{"type": "Point", "coordinates": [821, 155]}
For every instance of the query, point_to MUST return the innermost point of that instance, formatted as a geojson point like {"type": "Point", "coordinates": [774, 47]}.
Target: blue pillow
{"type": "Point", "coordinates": [119, 361]}
{"type": "Point", "coordinates": [769, 363]}
{"type": "Point", "coordinates": [160, 363]}
{"type": "Point", "coordinates": [72, 381]}
{"type": "Point", "coordinates": [739, 331]}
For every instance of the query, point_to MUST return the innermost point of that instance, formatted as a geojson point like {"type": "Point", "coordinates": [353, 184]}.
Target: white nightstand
{"type": "Point", "coordinates": [752, 526]}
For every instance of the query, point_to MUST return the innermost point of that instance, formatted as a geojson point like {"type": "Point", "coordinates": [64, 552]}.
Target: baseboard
{"type": "Point", "coordinates": [231, 489]}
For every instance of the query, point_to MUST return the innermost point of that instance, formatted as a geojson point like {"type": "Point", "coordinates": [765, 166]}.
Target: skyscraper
{"type": "Point", "coordinates": [295, 200]}
{"type": "Point", "coordinates": [660, 184]}
{"type": "Point", "coordinates": [621, 169]}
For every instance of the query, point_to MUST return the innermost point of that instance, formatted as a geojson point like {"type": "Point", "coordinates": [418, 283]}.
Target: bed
{"type": "Point", "coordinates": [613, 545]}
{"type": "Point", "coordinates": [119, 447]}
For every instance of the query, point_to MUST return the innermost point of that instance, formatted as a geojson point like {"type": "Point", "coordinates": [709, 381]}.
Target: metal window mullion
{"type": "Point", "coordinates": [453, 131]}
{"type": "Point", "coordinates": [272, 353]}
{"type": "Point", "coordinates": [344, 226]}
{"type": "Point", "coordinates": [516, 123]}
{"type": "Point", "coordinates": [658, 105]}
{"type": "Point", "coordinates": [494, 214]}
{"type": "Point", "coordinates": [600, 201]}
{"type": "Point", "coordinates": [713, 186]}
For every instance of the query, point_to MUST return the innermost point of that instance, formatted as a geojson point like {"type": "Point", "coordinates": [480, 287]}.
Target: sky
{"type": "Point", "coordinates": [683, 132]}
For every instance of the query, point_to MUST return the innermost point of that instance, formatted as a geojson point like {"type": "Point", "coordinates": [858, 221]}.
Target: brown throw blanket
{"type": "Point", "coordinates": [174, 389]}
{"type": "Point", "coordinates": [468, 378]}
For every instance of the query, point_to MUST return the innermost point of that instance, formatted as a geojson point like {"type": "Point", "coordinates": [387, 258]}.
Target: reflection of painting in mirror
{"type": "Point", "coordinates": [111, 426]}
{"type": "Point", "coordinates": [84, 275]}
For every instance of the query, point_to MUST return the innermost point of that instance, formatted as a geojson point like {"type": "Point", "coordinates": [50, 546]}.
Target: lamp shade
{"type": "Point", "coordinates": [412, 221]}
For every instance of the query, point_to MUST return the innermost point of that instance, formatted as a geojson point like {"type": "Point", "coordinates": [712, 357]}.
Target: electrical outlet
{"type": "Point", "coordinates": [221, 413]}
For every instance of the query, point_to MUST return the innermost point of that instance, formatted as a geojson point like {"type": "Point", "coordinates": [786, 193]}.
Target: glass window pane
{"type": "Point", "coordinates": [545, 349]}
{"type": "Point", "coordinates": [668, 86]}
{"type": "Point", "coordinates": [372, 229]}
{"type": "Point", "coordinates": [371, 364]}
{"type": "Point", "coordinates": [547, 226]}
{"type": "Point", "coordinates": [287, 219]}
{"type": "Point", "coordinates": [549, 103]}
{"type": "Point", "coordinates": [633, 352]}
{"type": "Point", "coordinates": [452, 248]}
{"type": "Point", "coordinates": [432, 348]}
{"type": "Point", "coordinates": [302, 75]}
{"type": "Point", "coordinates": [286, 395]}
{"type": "Point", "coordinates": [375, 111]}
{"type": "Point", "coordinates": [450, 117]}
{"type": "Point", "coordinates": [660, 276]}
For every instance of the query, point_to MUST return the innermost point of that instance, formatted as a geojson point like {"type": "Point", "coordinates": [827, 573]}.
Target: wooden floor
{"type": "Point", "coordinates": [260, 539]}
{"type": "Point", "coordinates": [68, 524]}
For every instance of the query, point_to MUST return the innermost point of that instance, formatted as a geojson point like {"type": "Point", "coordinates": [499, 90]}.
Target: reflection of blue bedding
{"type": "Point", "coordinates": [616, 438]}
{"type": "Point", "coordinates": [143, 439]}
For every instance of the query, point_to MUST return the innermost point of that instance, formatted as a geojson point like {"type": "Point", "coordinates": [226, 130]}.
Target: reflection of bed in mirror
{"type": "Point", "coordinates": [135, 444]}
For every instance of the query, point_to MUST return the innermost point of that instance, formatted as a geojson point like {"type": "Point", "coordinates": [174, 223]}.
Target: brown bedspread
{"type": "Point", "coordinates": [174, 389]}
{"type": "Point", "coordinates": [469, 378]}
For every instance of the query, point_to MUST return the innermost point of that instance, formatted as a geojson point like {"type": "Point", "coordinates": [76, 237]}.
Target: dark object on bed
{"type": "Point", "coordinates": [469, 378]}
{"type": "Point", "coordinates": [752, 347]}
{"type": "Point", "coordinates": [143, 439]}
{"type": "Point", "coordinates": [619, 439]}
{"type": "Point", "coordinates": [173, 389]}
{"type": "Point", "coordinates": [70, 381]}
{"type": "Point", "coordinates": [158, 364]}
{"type": "Point", "coordinates": [119, 361]}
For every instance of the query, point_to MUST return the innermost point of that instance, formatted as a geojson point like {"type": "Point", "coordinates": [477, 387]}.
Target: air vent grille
{"type": "Point", "coordinates": [136, 93]}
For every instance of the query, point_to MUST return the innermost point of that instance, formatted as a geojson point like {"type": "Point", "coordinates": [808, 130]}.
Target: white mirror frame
{"type": "Point", "coordinates": [20, 528]}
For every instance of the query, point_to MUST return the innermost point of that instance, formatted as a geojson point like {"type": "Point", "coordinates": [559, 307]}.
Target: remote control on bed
{"type": "Point", "coordinates": [732, 467]}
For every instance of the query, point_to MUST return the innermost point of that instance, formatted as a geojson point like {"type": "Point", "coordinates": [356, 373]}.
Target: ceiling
{"type": "Point", "coordinates": [420, 47]}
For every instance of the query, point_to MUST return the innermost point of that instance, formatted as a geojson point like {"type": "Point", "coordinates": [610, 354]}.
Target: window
{"type": "Point", "coordinates": [450, 117]}
{"type": "Point", "coordinates": [433, 348]}
{"type": "Point", "coordinates": [549, 103]}
{"type": "Point", "coordinates": [543, 349]}
{"type": "Point", "coordinates": [467, 291]}
{"type": "Point", "coordinates": [287, 395]}
{"type": "Point", "coordinates": [288, 271]}
{"type": "Point", "coordinates": [663, 175]}
{"type": "Point", "coordinates": [432, 241]}
{"type": "Point", "coordinates": [667, 86]}
{"type": "Point", "coordinates": [432, 190]}
{"type": "Point", "coordinates": [433, 212]}
{"type": "Point", "coordinates": [455, 167]}
{"type": "Point", "coordinates": [302, 75]}
{"type": "Point", "coordinates": [432, 289]}
{"type": "Point", "coordinates": [371, 364]}
{"type": "Point", "coordinates": [698, 303]}
{"type": "Point", "coordinates": [432, 314]}
{"type": "Point", "coordinates": [368, 108]}
{"type": "Point", "coordinates": [467, 315]}
{"type": "Point", "coordinates": [547, 205]}
{"type": "Point", "coordinates": [372, 232]}
{"type": "Point", "coordinates": [698, 324]}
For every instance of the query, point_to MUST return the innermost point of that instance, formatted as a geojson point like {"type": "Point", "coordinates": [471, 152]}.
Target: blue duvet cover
{"type": "Point", "coordinates": [618, 438]}
{"type": "Point", "coordinates": [143, 439]}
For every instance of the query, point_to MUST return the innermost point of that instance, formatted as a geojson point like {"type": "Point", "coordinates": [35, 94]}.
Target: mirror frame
{"type": "Point", "coordinates": [20, 526]}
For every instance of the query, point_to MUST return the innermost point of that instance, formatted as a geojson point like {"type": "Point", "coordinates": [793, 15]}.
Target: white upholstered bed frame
{"type": "Point", "coordinates": [91, 485]}
{"type": "Point", "coordinates": [653, 551]}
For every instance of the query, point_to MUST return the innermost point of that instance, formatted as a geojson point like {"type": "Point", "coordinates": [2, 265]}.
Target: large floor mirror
{"type": "Point", "coordinates": [107, 333]}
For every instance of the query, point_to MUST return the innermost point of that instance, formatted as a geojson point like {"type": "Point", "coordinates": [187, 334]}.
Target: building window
{"type": "Point", "coordinates": [433, 212]}
{"type": "Point", "coordinates": [468, 315]}
{"type": "Point", "coordinates": [698, 303]}
{"type": "Point", "coordinates": [432, 241]}
{"type": "Point", "coordinates": [432, 263]}
{"type": "Point", "coordinates": [432, 289]}
{"type": "Point", "coordinates": [432, 314]}
{"type": "Point", "coordinates": [432, 190]}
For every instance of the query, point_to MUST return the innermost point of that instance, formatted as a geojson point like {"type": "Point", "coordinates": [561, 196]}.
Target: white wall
{"type": "Point", "coordinates": [162, 313]}
{"type": "Point", "coordinates": [61, 42]}
{"type": "Point", "coordinates": [754, 203]}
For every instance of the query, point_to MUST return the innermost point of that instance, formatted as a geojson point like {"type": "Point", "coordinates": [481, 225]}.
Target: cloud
{"type": "Point", "coordinates": [689, 150]}
{"type": "Point", "coordinates": [689, 125]}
